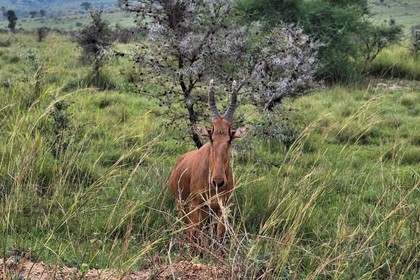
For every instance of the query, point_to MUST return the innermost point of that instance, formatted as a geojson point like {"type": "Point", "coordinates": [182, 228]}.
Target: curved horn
{"type": "Point", "coordinates": [232, 107]}
{"type": "Point", "coordinates": [215, 115]}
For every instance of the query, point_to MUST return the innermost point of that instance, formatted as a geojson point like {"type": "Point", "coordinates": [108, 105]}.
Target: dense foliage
{"type": "Point", "coordinates": [269, 12]}
{"type": "Point", "coordinates": [351, 39]}
{"type": "Point", "coordinates": [189, 43]}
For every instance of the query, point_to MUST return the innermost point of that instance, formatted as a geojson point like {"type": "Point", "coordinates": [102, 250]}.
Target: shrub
{"type": "Point", "coordinates": [95, 40]}
{"type": "Point", "coordinates": [42, 33]}
{"type": "Point", "coordinates": [36, 70]}
{"type": "Point", "coordinates": [276, 125]}
{"type": "Point", "coordinates": [60, 126]}
{"type": "Point", "coordinates": [5, 44]}
{"type": "Point", "coordinates": [375, 38]}
{"type": "Point", "coordinates": [270, 12]}
{"type": "Point", "coordinates": [415, 39]}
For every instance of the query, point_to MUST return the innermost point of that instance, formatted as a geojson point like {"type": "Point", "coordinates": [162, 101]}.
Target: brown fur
{"type": "Point", "coordinates": [195, 176]}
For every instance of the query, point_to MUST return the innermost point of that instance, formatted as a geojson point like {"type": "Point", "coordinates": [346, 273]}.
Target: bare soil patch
{"type": "Point", "coordinates": [393, 86]}
{"type": "Point", "coordinates": [14, 267]}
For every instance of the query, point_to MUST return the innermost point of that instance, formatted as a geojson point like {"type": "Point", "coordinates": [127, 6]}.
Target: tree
{"type": "Point", "coordinates": [42, 13]}
{"type": "Point", "coordinates": [12, 18]}
{"type": "Point", "coordinates": [3, 10]}
{"type": "Point", "coordinates": [376, 38]}
{"type": "Point", "coordinates": [33, 13]}
{"type": "Point", "coordinates": [192, 42]}
{"type": "Point", "coordinates": [270, 12]}
{"type": "Point", "coordinates": [352, 39]}
{"type": "Point", "coordinates": [86, 5]}
{"type": "Point", "coordinates": [337, 26]}
{"type": "Point", "coordinates": [42, 33]}
{"type": "Point", "coordinates": [95, 40]}
{"type": "Point", "coordinates": [342, 25]}
{"type": "Point", "coordinates": [344, 3]}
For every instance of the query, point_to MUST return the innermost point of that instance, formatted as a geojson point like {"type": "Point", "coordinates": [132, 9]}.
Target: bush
{"type": "Point", "coordinates": [60, 125]}
{"type": "Point", "coordinates": [336, 26]}
{"type": "Point", "coordinates": [95, 40]}
{"type": "Point", "coordinates": [277, 126]}
{"type": "Point", "coordinates": [42, 33]}
{"type": "Point", "coordinates": [375, 38]}
{"type": "Point", "coordinates": [351, 40]}
{"type": "Point", "coordinates": [12, 18]}
{"type": "Point", "coordinates": [270, 12]}
{"type": "Point", "coordinates": [415, 39]}
{"type": "Point", "coordinates": [5, 44]}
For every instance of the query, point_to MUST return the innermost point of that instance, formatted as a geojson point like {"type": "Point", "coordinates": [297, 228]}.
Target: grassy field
{"type": "Point", "coordinates": [63, 15]}
{"type": "Point", "coordinates": [70, 21]}
{"type": "Point", "coordinates": [84, 173]}
{"type": "Point", "coordinates": [69, 14]}
{"type": "Point", "coordinates": [403, 12]}
{"type": "Point", "coordinates": [398, 62]}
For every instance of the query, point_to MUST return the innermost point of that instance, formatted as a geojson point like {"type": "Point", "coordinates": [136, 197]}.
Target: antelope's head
{"type": "Point", "coordinates": [221, 136]}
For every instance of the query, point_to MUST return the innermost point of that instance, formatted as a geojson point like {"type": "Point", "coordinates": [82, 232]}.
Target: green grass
{"type": "Point", "coordinates": [396, 62]}
{"type": "Point", "coordinates": [66, 14]}
{"type": "Point", "coordinates": [341, 202]}
{"type": "Point", "coordinates": [403, 12]}
{"type": "Point", "coordinates": [63, 15]}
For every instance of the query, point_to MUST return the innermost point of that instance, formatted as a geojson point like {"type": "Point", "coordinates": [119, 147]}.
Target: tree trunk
{"type": "Point", "coordinates": [196, 139]}
{"type": "Point", "coordinates": [191, 114]}
{"type": "Point", "coordinates": [96, 69]}
{"type": "Point", "coordinates": [189, 105]}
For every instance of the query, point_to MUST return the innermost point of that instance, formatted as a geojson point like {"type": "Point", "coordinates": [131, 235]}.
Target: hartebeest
{"type": "Point", "coordinates": [202, 180]}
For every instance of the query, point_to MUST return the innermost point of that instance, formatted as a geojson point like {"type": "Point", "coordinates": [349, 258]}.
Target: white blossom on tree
{"type": "Point", "coordinates": [190, 42]}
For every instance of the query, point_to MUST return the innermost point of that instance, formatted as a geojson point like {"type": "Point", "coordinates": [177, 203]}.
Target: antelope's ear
{"type": "Point", "coordinates": [240, 132]}
{"type": "Point", "coordinates": [201, 130]}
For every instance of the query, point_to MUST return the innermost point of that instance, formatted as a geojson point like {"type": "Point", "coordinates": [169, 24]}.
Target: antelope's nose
{"type": "Point", "coordinates": [218, 182]}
